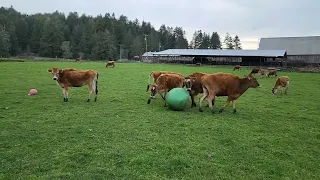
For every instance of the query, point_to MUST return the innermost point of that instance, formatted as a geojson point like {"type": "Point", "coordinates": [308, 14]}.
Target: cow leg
{"type": "Point", "coordinates": [165, 102]}
{"type": "Point", "coordinates": [225, 105]}
{"type": "Point", "coordinates": [163, 97]}
{"type": "Point", "coordinates": [91, 90]}
{"type": "Point", "coordinates": [285, 90]}
{"type": "Point", "coordinates": [66, 93]}
{"type": "Point", "coordinates": [210, 98]}
{"type": "Point", "coordinates": [234, 106]}
{"type": "Point", "coordinates": [205, 94]}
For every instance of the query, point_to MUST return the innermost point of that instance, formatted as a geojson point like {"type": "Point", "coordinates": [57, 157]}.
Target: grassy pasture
{"type": "Point", "coordinates": [122, 137]}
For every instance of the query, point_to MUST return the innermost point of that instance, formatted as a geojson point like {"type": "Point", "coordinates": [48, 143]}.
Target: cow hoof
{"type": "Point", "coordinates": [95, 99]}
{"type": "Point", "coordinates": [220, 111]}
{"type": "Point", "coordinates": [149, 101]}
{"type": "Point", "coordinates": [88, 100]}
{"type": "Point", "coordinates": [200, 110]}
{"type": "Point", "coordinates": [234, 111]}
{"type": "Point", "coordinates": [212, 112]}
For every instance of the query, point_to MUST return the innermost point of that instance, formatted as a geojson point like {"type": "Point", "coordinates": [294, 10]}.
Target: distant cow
{"type": "Point", "coordinates": [281, 83]}
{"type": "Point", "coordinates": [225, 84]}
{"type": "Point", "coordinates": [272, 72]}
{"type": "Point", "coordinates": [237, 67]}
{"type": "Point", "coordinates": [75, 78]}
{"type": "Point", "coordinates": [164, 83]}
{"type": "Point", "coordinates": [263, 72]}
{"type": "Point", "coordinates": [111, 63]}
{"type": "Point", "coordinates": [255, 70]}
{"type": "Point", "coordinates": [155, 75]}
{"type": "Point", "coordinates": [196, 87]}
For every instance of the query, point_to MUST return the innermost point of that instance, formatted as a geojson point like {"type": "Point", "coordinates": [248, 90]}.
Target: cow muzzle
{"type": "Point", "coordinates": [54, 78]}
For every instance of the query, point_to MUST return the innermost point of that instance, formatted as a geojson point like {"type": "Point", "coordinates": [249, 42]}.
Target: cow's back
{"type": "Point", "coordinates": [170, 81]}
{"type": "Point", "coordinates": [223, 83]}
{"type": "Point", "coordinates": [77, 78]}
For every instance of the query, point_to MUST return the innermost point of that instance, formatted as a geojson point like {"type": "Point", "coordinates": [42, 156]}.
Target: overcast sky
{"type": "Point", "coordinates": [249, 19]}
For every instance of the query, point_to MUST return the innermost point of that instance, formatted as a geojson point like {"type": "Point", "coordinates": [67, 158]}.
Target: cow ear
{"type": "Point", "coordinates": [49, 70]}
{"type": "Point", "coordinates": [60, 70]}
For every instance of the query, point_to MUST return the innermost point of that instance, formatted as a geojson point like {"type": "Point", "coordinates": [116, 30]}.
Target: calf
{"type": "Point", "coordinates": [75, 78]}
{"type": "Point", "coordinates": [237, 67]}
{"type": "Point", "coordinates": [111, 63]}
{"type": "Point", "coordinates": [225, 84]}
{"type": "Point", "coordinates": [196, 87]}
{"type": "Point", "coordinates": [155, 75]}
{"type": "Point", "coordinates": [281, 83]}
{"type": "Point", "coordinates": [272, 72]}
{"type": "Point", "coordinates": [164, 84]}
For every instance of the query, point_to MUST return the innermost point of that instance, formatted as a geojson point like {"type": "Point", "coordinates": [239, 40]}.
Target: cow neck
{"type": "Point", "coordinates": [244, 85]}
{"type": "Point", "coordinates": [60, 76]}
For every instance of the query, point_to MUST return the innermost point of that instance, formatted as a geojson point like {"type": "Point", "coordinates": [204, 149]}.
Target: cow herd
{"type": "Point", "coordinates": [210, 85]}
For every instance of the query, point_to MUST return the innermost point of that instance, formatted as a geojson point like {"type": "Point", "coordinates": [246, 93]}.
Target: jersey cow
{"type": "Point", "coordinates": [75, 78]}
{"type": "Point", "coordinates": [225, 84]}
{"type": "Point", "coordinates": [238, 67]}
{"type": "Point", "coordinates": [155, 75]}
{"type": "Point", "coordinates": [196, 87]}
{"type": "Point", "coordinates": [164, 83]}
{"type": "Point", "coordinates": [272, 72]}
{"type": "Point", "coordinates": [111, 63]}
{"type": "Point", "coordinates": [282, 83]}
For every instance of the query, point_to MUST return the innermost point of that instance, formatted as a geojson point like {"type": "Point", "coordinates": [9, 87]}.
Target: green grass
{"type": "Point", "coordinates": [122, 137]}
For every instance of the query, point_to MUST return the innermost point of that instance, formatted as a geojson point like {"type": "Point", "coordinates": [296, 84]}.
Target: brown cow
{"type": "Point", "coordinates": [225, 84]}
{"type": "Point", "coordinates": [281, 83]}
{"type": "Point", "coordinates": [237, 67]}
{"type": "Point", "coordinates": [255, 70]}
{"type": "Point", "coordinates": [272, 72]}
{"type": "Point", "coordinates": [196, 87]}
{"type": "Point", "coordinates": [75, 78]}
{"type": "Point", "coordinates": [164, 84]}
{"type": "Point", "coordinates": [263, 72]}
{"type": "Point", "coordinates": [155, 75]}
{"type": "Point", "coordinates": [111, 63]}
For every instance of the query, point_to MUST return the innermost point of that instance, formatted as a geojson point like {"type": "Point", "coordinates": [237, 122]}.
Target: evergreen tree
{"type": "Point", "coordinates": [236, 42]}
{"type": "Point", "coordinates": [228, 42]}
{"type": "Point", "coordinates": [215, 42]}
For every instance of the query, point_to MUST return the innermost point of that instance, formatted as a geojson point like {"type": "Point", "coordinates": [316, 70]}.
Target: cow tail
{"type": "Point", "coordinates": [97, 84]}
{"type": "Point", "coordinates": [149, 82]}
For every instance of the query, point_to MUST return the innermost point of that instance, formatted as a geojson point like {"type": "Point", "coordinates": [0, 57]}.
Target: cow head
{"type": "Point", "coordinates": [188, 82]}
{"type": "Point", "coordinates": [274, 91]}
{"type": "Point", "coordinates": [55, 72]}
{"type": "Point", "coordinates": [154, 90]}
{"type": "Point", "coordinates": [252, 81]}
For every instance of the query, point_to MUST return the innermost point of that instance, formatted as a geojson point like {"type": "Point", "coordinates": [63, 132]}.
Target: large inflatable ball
{"type": "Point", "coordinates": [177, 99]}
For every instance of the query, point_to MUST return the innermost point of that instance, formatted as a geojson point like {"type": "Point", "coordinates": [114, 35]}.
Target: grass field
{"type": "Point", "coordinates": [122, 137]}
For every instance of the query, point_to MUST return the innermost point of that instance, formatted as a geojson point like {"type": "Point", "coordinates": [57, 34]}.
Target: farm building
{"type": "Point", "coordinates": [301, 51]}
{"type": "Point", "coordinates": [218, 57]}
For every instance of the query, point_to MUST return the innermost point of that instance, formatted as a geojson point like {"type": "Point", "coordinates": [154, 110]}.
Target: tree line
{"type": "Point", "coordinates": [97, 38]}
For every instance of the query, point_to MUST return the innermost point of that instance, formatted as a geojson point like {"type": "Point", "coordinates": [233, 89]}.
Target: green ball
{"type": "Point", "coordinates": [177, 99]}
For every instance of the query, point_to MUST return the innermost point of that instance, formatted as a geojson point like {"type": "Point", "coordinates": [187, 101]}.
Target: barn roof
{"type": "Point", "coordinates": [148, 54]}
{"type": "Point", "coordinates": [306, 45]}
{"type": "Point", "coordinates": [222, 53]}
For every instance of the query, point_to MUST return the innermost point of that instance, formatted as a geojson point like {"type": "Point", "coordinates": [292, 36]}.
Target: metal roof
{"type": "Point", "coordinates": [306, 45]}
{"type": "Point", "coordinates": [222, 53]}
{"type": "Point", "coordinates": [148, 54]}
